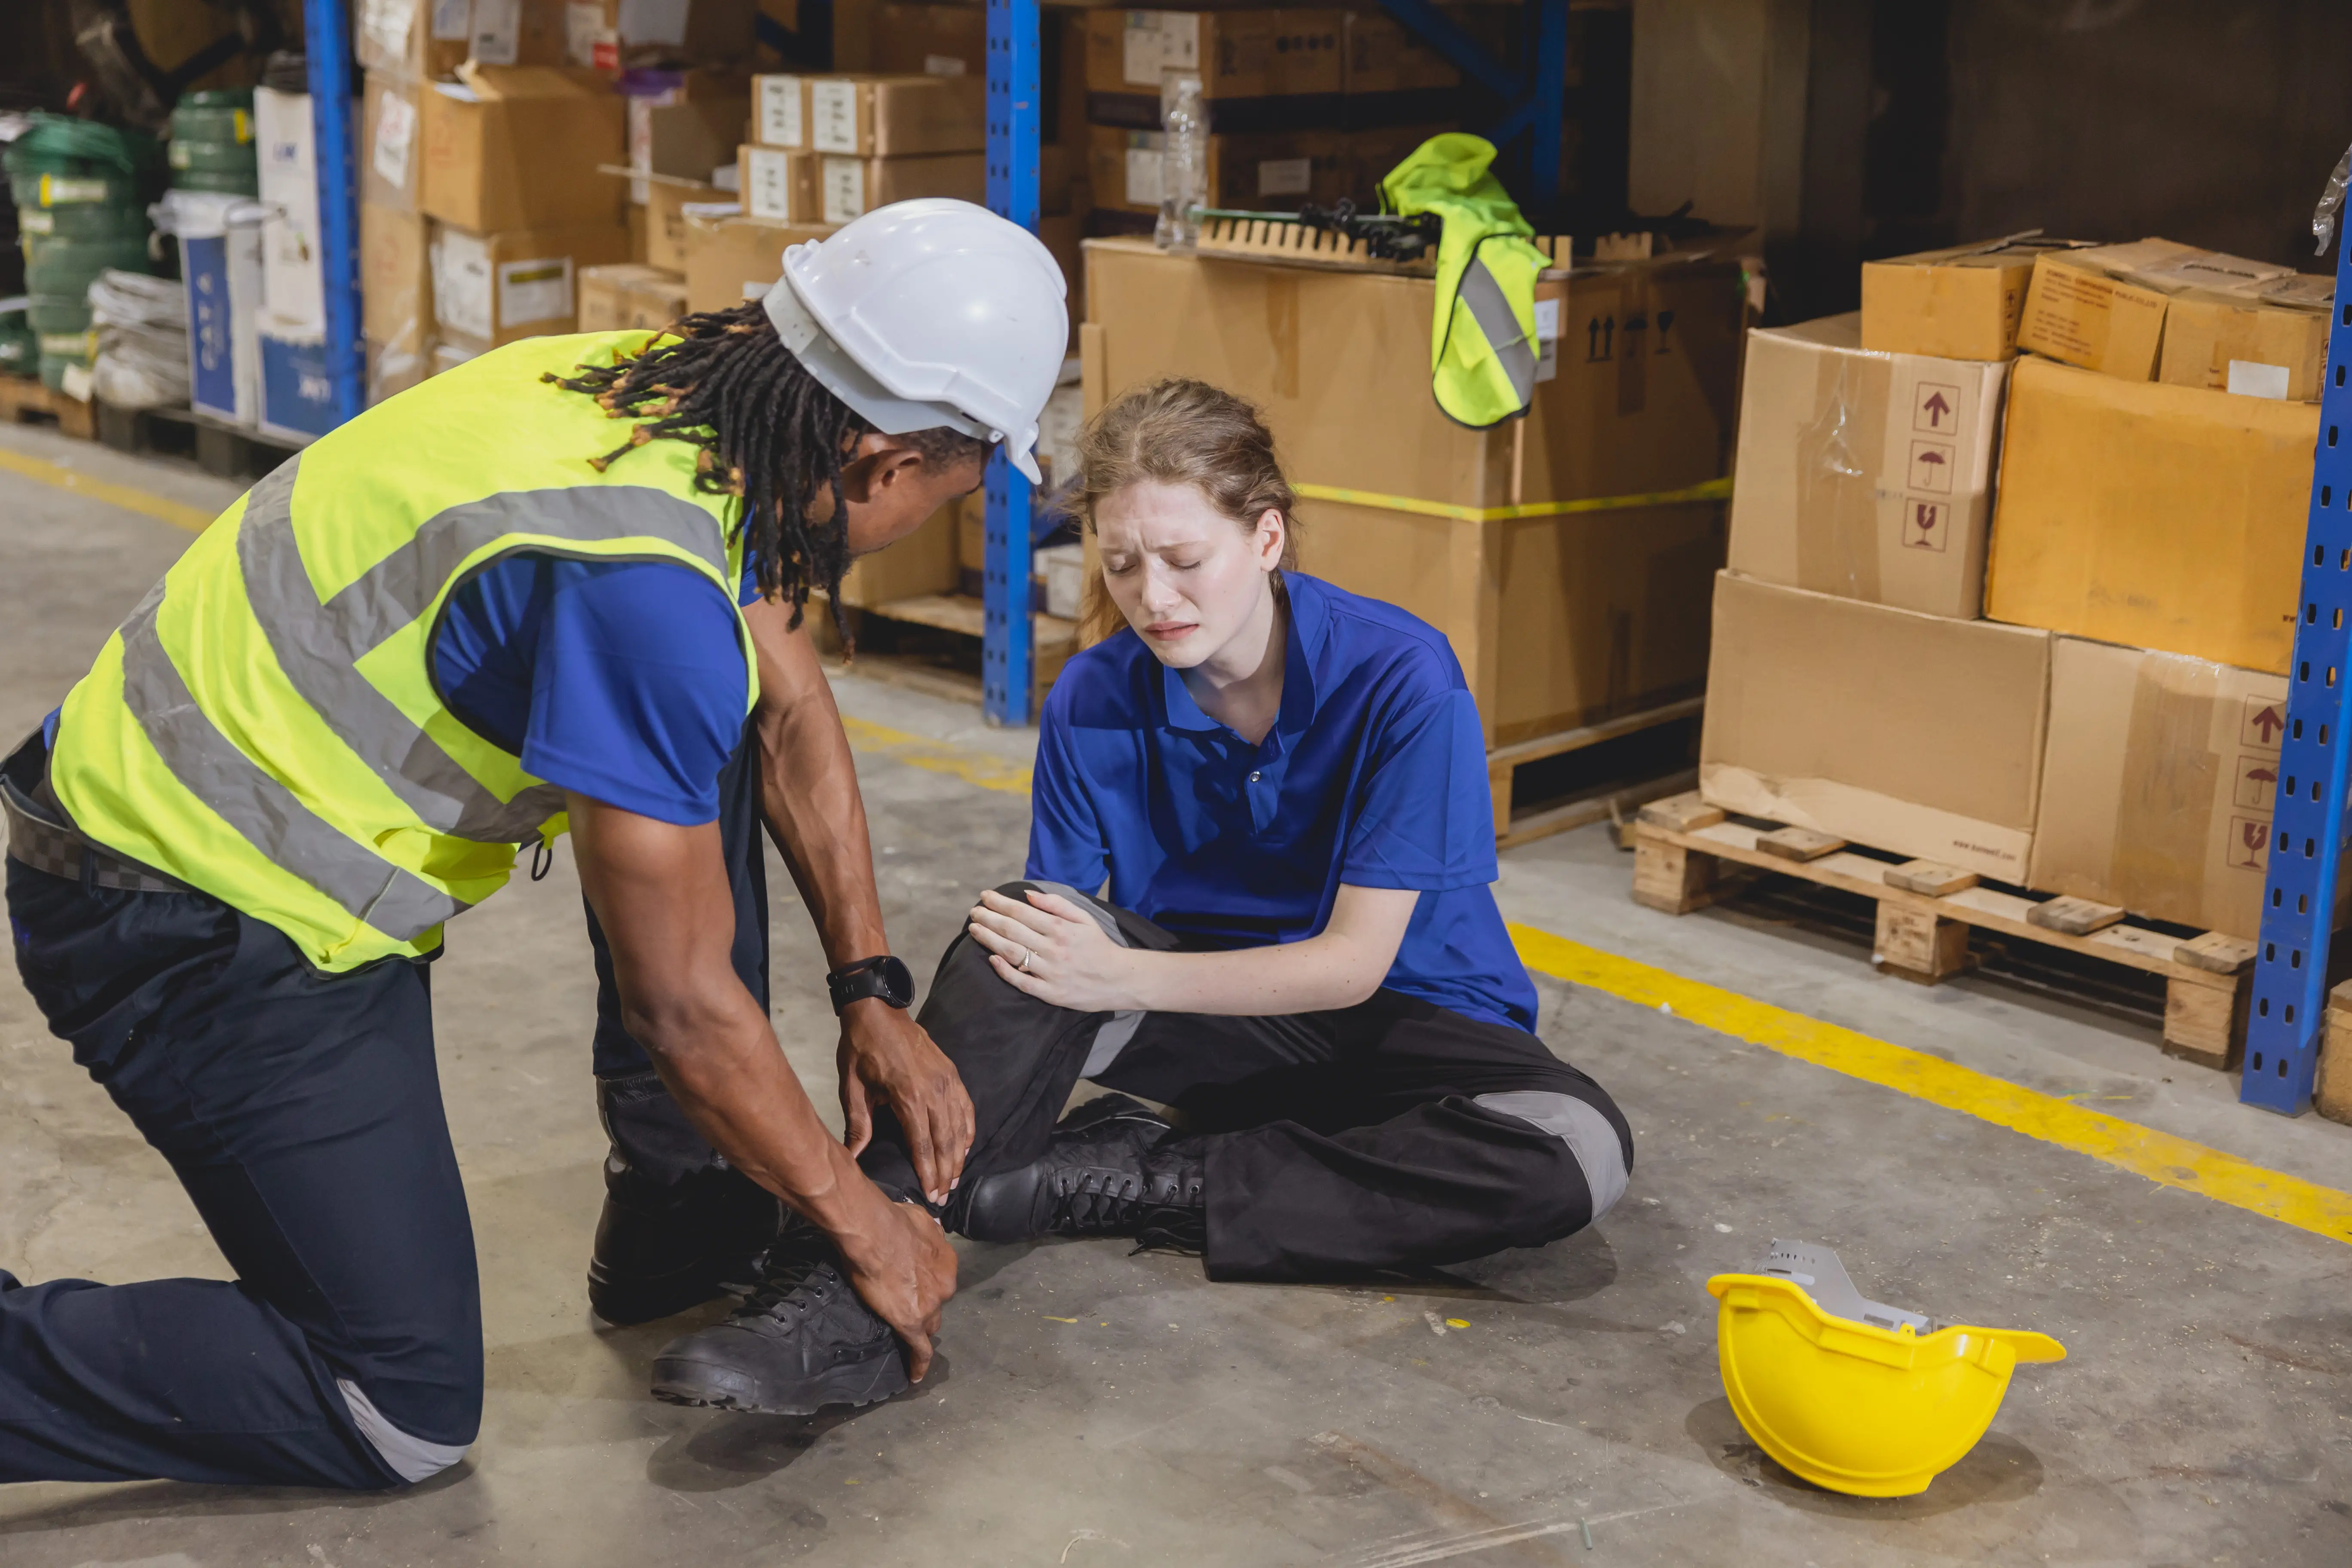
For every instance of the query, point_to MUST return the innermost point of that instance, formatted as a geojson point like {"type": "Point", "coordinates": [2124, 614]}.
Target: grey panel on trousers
{"type": "Point", "coordinates": [412, 1459]}
{"type": "Point", "coordinates": [1587, 1133]}
{"type": "Point", "coordinates": [1113, 1036]}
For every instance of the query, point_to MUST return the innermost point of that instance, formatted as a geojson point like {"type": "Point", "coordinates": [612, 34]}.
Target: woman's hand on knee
{"type": "Point", "coordinates": [1050, 948]}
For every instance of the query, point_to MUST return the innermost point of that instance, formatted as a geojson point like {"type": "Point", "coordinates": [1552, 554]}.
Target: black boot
{"type": "Point", "coordinates": [803, 1340]}
{"type": "Point", "coordinates": [681, 1224]}
{"type": "Point", "coordinates": [1113, 1169]}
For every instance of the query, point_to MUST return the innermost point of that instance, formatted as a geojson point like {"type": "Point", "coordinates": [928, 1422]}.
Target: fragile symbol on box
{"type": "Point", "coordinates": [1936, 408]}
{"type": "Point", "coordinates": [2257, 783]}
{"type": "Point", "coordinates": [1931, 467]}
{"type": "Point", "coordinates": [2249, 842]}
{"type": "Point", "coordinates": [2262, 723]}
{"type": "Point", "coordinates": [1927, 524]}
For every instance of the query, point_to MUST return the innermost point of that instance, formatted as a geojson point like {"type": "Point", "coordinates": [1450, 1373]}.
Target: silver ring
{"type": "Point", "coordinates": [1026, 957]}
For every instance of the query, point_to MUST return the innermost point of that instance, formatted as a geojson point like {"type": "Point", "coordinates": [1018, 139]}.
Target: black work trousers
{"type": "Point", "coordinates": [1387, 1135]}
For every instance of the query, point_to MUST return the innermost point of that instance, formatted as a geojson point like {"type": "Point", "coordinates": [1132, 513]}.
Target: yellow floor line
{"type": "Point", "coordinates": [980, 768]}
{"type": "Point", "coordinates": [196, 520]}
{"type": "Point", "coordinates": [2160, 1157]}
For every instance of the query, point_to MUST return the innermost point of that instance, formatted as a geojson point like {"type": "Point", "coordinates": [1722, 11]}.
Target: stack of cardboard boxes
{"type": "Point", "coordinates": [2027, 612]}
{"type": "Point", "coordinates": [1301, 105]}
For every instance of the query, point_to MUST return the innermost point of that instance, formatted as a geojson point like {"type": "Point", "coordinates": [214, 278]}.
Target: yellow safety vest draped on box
{"type": "Point", "coordinates": [266, 726]}
{"type": "Point", "coordinates": [1482, 345]}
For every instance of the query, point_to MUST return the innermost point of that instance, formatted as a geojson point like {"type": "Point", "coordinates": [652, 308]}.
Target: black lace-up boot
{"type": "Point", "coordinates": [679, 1224]}
{"type": "Point", "coordinates": [1113, 1169]}
{"type": "Point", "coordinates": [802, 1341]}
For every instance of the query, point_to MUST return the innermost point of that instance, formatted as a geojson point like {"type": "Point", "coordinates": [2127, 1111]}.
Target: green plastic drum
{"type": "Point", "coordinates": [228, 182]}
{"type": "Point", "coordinates": [224, 116]}
{"type": "Point", "coordinates": [212, 156]}
{"type": "Point", "coordinates": [69, 266]}
{"type": "Point", "coordinates": [80, 221]}
{"type": "Point", "coordinates": [48, 314]}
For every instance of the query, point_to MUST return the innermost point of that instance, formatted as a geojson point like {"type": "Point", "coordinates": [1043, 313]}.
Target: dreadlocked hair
{"type": "Point", "coordinates": [769, 433]}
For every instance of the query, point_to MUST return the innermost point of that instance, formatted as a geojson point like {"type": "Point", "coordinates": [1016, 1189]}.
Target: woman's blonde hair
{"type": "Point", "coordinates": [1178, 432]}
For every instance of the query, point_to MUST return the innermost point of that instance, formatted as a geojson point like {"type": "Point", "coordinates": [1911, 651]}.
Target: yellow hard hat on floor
{"type": "Point", "coordinates": [1866, 1399]}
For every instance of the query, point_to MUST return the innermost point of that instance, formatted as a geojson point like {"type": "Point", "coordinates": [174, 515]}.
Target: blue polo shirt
{"type": "Point", "coordinates": [1373, 775]}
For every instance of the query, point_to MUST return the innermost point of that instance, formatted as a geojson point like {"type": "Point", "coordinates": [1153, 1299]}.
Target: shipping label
{"type": "Point", "coordinates": [844, 195]}
{"type": "Point", "coordinates": [1286, 177]}
{"type": "Point", "coordinates": [461, 284]}
{"type": "Point", "coordinates": [396, 130]}
{"type": "Point", "coordinates": [498, 31]}
{"type": "Point", "coordinates": [1548, 339]}
{"type": "Point", "coordinates": [768, 183]}
{"type": "Point", "coordinates": [586, 40]}
{"type": "Point", "coordinates": [780, 112]}
{"type": "Point", "coordinates": [832, 116]}
{"type": "Point", "coordinates": [535, 290]}
{"type": "Point", "coordinates": [386, 24]}
{"type": "Point", "coordinates": [453, 20]}
{"type": "Point", "coordinates": [1158, 41]}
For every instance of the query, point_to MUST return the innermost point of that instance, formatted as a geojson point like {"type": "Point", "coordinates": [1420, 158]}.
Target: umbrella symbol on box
{"type": "Point", "coordinates": [1931, 467]}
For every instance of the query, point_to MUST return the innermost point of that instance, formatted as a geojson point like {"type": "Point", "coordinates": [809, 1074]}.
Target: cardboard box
{"type": "Point", "coordinates": [686, 127]}
{"type": "Point", "coordinates": [1913, 734]}
{"type": "Point", "coordinates": [1390, 76]}
{"type": "Point", "coordinates": [1265, 170]}
{"type": "Point", "coordinates": [878, 116]}
{"type": "Point", "coordinates": [610, 35]}
{"type": "Point", "coordinates": [520, 32]}
{"type": "Point", "coordinates": [931, 40]}
{"type": "Point", "coordinates": [1865, 475]}
{"type": "Point", "coordinates": [1599, 610]}
{"type": "Point", "coordinates": [490, 290]}
{"type": "Point", "coordinates": [668, 201]}
{"type": "Point", "coordinates": [921, 564]}
{"type": "Point", "coordinates": [779, 186]}
{"type": "Point", "coordinates": [391, 371]}
{"type": "Point", "coordinates": [2077, 312]}
{"type": "Point", "coordinates": [1259, 71]}
{"type": "Point", "coordinates": [389, 146]}
{"type": "Point", "coordinates": [396, 277]}
{"type": "Point", "coordinates": [520, 148]}
{"type": "Point", "coordinates": [412, 38]}
{"type": "Point", "coordinates": [1371, 153]}
{"type": "Point", "coordinates": [729, 259]}
{"type": "Point", "coordinates": [780, 112]}
{"type": "Point", "coordinates": [620, 297]}
{"type": "Point", "coordinates": [293, 277]}
{"type": "Point", "coordinates": [849, 187]}
{"type": "Point", "coordinates": [2228, 343]}
{"type": "Point", "coordinates": [2162, 517]}
{"type": "Point", "coordinates": [2158, 784]}
{"type": "Point", "coordinates": [1962, 303]}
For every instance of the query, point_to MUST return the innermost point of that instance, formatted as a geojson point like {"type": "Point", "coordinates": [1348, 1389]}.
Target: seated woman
{"type": "Point", "coordinates": [1284, 787]}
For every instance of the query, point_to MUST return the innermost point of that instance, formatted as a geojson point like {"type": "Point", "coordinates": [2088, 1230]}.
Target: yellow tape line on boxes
{"type": "Point", "coordinates": [1713, 490]}
{"type": "Point", "coordinates": [2160, 1157]}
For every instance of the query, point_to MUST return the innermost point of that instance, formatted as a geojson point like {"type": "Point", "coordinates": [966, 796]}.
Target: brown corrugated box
{"type": "Point", "coordinates": [1259, 71]}
{"type": "Point", "coordinates": [848, 188]}
{"type": "Point", "coordinates": [1269, 171]}
{"type": "Point", "coordinates": [872, 115]}
{"type": "Point", "coordinates": [2159, 784]}
{"type": "Point", "coordinates": [777, 185]}
{"type": "Point", "coordinates": [520, 148]}
{"type": "Point", "coordinates": [688, 130]}
{"type": "Point", "coordinates": [1865, 475]}
{"type": "Point", "coordinates": [1390, 76]}
{"type": "Point", "coordinates": [2155, 309]}
{"type": "Point", "coordinates": [396, 298]}
{"type": "Point", "coordinates": [2162, 517]}
{"type": "Point", "coordinates": [2080, 314]}
{"type": "Point", "coordinates": [1960, 303]}
{"type": "Point", "coordinates": [931, 40]}
{"type": "Point", "coordinates": [699, 33]}
{"type": "Point", "coordinates": [923, 563]}
{"type": "Point", "coordinates": [495, 289]}
{"type": "Point", "coordinates": [666, 202]}
{"type": "Point", "coordinates": [1914, 733]}
{"type": "Point", "coordinates": [411, 38]}
{"type": "Point", "coordinates": [729, 259]}
{"type": "Point", "coordinates": [626, 295]}
{"type": "Point", "coordinates": [390, 151]}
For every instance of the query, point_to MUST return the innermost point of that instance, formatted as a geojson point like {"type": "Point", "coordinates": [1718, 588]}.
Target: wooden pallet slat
{"type": "Point", "coordinates": [1922, 936]}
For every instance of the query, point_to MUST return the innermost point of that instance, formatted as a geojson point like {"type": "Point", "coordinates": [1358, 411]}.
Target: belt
{"type": "Point", "coordinates": [41, 836]}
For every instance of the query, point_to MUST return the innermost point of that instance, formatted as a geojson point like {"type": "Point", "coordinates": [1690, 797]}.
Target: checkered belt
{"type": "Point", "coordinates": [38, 837]}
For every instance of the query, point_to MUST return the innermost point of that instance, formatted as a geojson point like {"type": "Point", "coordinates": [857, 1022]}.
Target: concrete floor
{"type": "Point", "coordinates": [1090, 1408]}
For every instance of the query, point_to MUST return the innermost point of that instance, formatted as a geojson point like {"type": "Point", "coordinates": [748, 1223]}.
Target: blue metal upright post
{"type": "Point", "coordinates": [1538, 98]}
{"type": "Point", "coordinates": [2307, 837]}
{"type": "Point", "coordinates": [327, 45]}
{"type": "Point", "coordinates": [1006, 642]}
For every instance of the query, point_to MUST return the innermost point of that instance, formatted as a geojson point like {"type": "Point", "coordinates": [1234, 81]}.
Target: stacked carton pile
{"type": "Point", "coordinates": [2027, 612]}
{"type": "Point", "coordinates": [1301, 105]}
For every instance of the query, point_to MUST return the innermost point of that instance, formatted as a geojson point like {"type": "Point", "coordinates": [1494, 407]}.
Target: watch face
{"type": "Point", "coordinates": [898, 982]}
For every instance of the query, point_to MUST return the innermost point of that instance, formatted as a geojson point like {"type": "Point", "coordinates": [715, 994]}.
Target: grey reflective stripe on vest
{"type": "Point", "coordinates": [1493, 312]}
{"type": "Point", "coordinates": [1113, 1036]}
{"type": "Point", "coordinates": [271, 817]}
{"type": "Point", "coordinates": [1579, 1125]}
{"type": "Point", "coordinates": [318, 646]}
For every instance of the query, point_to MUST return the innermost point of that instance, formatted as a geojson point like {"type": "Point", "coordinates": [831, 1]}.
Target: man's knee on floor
{"type": "Point", "coordinates": [411, 1457]}
{"type": "Point", "coordinates": [1594, 1174]}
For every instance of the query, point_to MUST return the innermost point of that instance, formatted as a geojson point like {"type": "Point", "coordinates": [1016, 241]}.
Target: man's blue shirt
{"type": "Point", "coordinates": [1374, 774]}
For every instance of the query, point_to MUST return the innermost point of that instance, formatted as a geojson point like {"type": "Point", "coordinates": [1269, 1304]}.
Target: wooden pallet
{"type": "Point", "coordinates": [25, 401]}
{"type": "Point", "coordinates": [1615, 797]}
{"type": "Point", "coordinates": [1683, 849]}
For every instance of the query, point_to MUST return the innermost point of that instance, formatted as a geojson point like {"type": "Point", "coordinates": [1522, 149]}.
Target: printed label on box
{"type": "Point", "coordinates": [1936, 408]}
{"type": "Point", "coordinates": [584, 32]}
{"type": "Point", "coordinates": [942, 64]}
{"type": "Point", "coordinates": [2257, 783]}
{"type": "Point", "coordinates": [2250, 842]}
{"type": "Point", "coordinates": [2253, 378]}
{"type": "Point", "coordinates": [832, 116]}
{"type": "Point", "coordinates": [461, 284]}
{"type": "Point", "coordinates": [845, 189]}
{"type": "Point", "coordinates": [386, 24]}
{"type": "Point", "coordinates": [780, 112]}
{"type": "Point", "coordinates": [1145, 171]}
{"type": "Point", "coordinates": [1159, 41]}
{"type": "Point", "coordinates": [453, 20]}
{"type": "Point", "coordinates": [1931, 467]}
{"type": "Point", "coordinates": [535, 291]}
{"type": "Point", "coordinates": [1546, 339]}
{"type": "Point", "coordinates": [395, 128]}
{"type": "Point", "coordinates": [654, 22]}
{"type": "Point", "coordinates": [1927, 524]}
{"type": "Point", "coordinates": [498, 31]}
{"type": "Point", "coordinates": [2262, 724]}
{"type": "Point", "coordinates": [1286, 177]}
{"type": "Point", "coordinates": [768, 183]}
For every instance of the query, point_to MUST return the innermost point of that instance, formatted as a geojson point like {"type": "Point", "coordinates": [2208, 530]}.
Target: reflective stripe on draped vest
{"type": "Point", "coordinates": [266, 726]}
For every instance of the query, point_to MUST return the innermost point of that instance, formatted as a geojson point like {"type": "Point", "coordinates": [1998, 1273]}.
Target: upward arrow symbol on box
{"type": "Point", "coordinates": [1936, 407]}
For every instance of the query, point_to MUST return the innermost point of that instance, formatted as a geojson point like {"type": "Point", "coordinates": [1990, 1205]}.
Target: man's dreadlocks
{"type": "Point", "coordinates": [769, 433]}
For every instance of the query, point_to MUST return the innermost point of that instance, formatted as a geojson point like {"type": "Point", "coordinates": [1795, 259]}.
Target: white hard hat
{"type": "Point", "coordinates": [930, 313]}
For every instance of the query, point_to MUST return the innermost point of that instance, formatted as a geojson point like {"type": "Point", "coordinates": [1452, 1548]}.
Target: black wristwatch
{"type": "Point", "coordinates": [885, 977]}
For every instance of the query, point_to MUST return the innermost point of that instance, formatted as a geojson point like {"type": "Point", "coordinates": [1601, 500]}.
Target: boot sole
{"type": "Point", "coordinates": [685, 1379]}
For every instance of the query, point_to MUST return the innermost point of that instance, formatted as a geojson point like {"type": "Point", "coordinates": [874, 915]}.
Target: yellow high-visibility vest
{"type": "Point", "coordinates": [266, 726]}
{"type": "Point", "coordinates": [1482, 347]}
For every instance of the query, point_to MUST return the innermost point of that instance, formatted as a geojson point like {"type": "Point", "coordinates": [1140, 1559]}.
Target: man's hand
{"type": "Point", "coordinates": [903, 1269]}
{"type": "Point", "coordinates": [885, 1055]}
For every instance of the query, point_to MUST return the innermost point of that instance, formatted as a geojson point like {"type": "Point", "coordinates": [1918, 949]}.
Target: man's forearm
{"type": "Point", "coordinates": [808, 788]}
